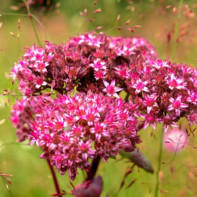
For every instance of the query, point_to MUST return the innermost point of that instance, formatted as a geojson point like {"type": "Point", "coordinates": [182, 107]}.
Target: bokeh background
{"type": "Point", "coordinates": [157, 21]}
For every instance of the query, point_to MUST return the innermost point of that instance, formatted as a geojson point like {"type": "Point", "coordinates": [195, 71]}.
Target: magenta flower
{"type": "Point", "coordinates": [177, 105]}
{"type": "Point", "coordinates": [96, 122]}
{"type": "Point", "coordinates": [140, 86]}
{"type": "Point", "coordinates": [111, 89]}
{"type": "Point", "coordinates": [174, 82]}
{"type": "Point", "coordinates": [83, 61]}
{"type": "Point", "coordinates": [97, 126]}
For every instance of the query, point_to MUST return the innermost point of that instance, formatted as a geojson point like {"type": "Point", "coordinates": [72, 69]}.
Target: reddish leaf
{"type": "Point", "coordinates": [131, 183]}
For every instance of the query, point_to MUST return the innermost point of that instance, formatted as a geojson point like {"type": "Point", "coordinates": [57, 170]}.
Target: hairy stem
{"type": "Point", "coordinates": [54, 179]}
{"type": "Point", "coordinates": [94, 166]}
{"type": "Point", "coordinates": [159, 164]}
{"type": "Point", "coordinates": [32, 23]}
{"type": "Point", "coordinates": [176, 30]}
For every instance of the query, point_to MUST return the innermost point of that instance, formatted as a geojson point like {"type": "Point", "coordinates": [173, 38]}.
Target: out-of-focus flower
{"type": "Point", "coordinates": [175, 140]}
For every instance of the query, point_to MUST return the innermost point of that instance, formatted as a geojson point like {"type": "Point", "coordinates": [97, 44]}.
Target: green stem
{"type": "Point", "coordinates": [32, 23]}
{"type": "Point", "coordinates": [159, 163]}
{"type": "Point", "coordinates": [7, 189]}
{"type": "Point", "coordinates": [176, 30]}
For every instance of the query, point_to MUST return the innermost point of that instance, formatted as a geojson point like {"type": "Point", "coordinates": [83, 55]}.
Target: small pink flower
{"type": "Point", "coordinates": [177, 105]}
{"type": "Point", "coordinates": [40, 82]}
{"type": "Point", "coordinates": [150, 102]}
{"type": "Point", "coordinates": [175, 83]}
{"type": "Point", "coordinates": [175, 140]}
{"type": "Point", "coordinates": [140, 86]}
{"type": "Point", "coordinates": [111, 89]}
{"type": "Point", "coordinates": [150, 119]}
{"type": "Point", "coordinates": [122, 72]}
{"type": "Point", "coordinates": [99, 74]}
{"type": "Point", "coordinates": [98, 65]}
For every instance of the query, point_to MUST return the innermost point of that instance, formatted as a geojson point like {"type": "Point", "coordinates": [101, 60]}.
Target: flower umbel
{"type": "Point", "coordinates": [86, 118]}
{"type": "Point", "coordinates": [73, 130]}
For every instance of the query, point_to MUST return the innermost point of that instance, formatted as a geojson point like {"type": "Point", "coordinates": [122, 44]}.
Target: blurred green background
{"type": "Point", "coordinates": [157, 20]}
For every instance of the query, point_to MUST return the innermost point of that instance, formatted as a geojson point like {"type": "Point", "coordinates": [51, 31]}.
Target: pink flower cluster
{"type": "Point", "coordinates": [72, 130]}
{"type": "Point", "coordinates": [84, 61]}
{"type": "Point", "coordinates": [96, 121]}
{"type": "Point", "coordinates": [163, 92]}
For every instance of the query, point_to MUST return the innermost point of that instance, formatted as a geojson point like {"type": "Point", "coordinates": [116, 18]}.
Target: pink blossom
{"type": "Point", "coordinates": [72, 130]}
{"type": "Point", "coordinates": [94, 122]}
{"type": "Point", "coordinates": [174, 82]}
{"type": "Point", "coordinates": [175, 140]}
{"type": "Point", "coordinates": [177, 105]}
{"type": "Point", "coordinates": [111, 89]}
{"type": "Point", "coordinates": [140, 86]}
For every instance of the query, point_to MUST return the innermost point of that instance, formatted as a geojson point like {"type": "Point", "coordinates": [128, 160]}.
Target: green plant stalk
{"type": "Point", "coordinates": [159, 163]}
{"type": "Point", "coordinates": [174, 46]}
{"type": "Point", "coordinates": [32, 23]}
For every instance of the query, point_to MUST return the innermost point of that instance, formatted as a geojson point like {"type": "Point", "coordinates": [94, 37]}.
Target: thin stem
{"type": "Point", "coordinates": [54, 179]}
{"type": "Point", "coordinates": [7, 189]}
{"type": "Point", "coordinates": [159, 163]}
{"type": "Point", "coordinates": [176, 30]}
{"type": "Point", "coordinates": [94, 166]}
{"type": "Point", "coordinates": [23, 15]}
{"type": "Point", "coordinates": [32, 23]}
{"type": "Point", "coordinates": [13, 14]}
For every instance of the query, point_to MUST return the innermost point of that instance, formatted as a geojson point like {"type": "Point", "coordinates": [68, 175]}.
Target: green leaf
{"type": "Point", "coordinates": [112, 157]}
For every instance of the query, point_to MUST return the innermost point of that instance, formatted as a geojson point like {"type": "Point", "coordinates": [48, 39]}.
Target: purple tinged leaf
{"type": "Point", "coordinates": [139, 159]}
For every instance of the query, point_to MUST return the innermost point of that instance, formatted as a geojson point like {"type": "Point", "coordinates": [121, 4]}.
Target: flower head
{"type": "Point", "coordinates": [95, 121]}
{"type": "Point", "coordinates": [72, 130]}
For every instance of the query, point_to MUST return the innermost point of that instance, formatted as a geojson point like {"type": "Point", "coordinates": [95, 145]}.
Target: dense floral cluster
{"type": "Point", "coordinates": [66, 128]}
{"type": "Point", "coordinates": [96, 121]}
{"type": "Point", "coordinates": [164, 91]}
{"type": "Point", "coordinates": [84, 61]}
